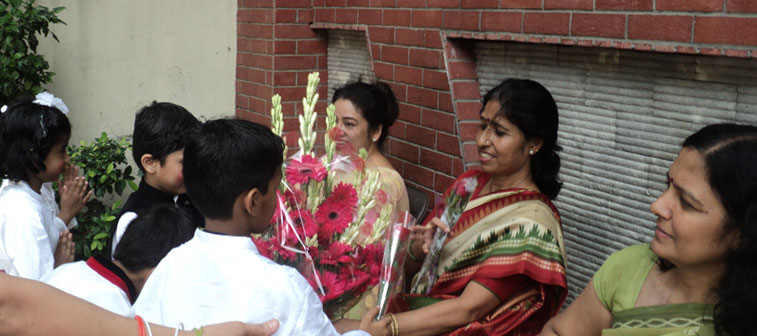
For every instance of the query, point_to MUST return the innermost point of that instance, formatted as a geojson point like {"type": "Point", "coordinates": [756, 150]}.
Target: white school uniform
{"type": "Point", "coordinates": [29, 229]}
{"type": "Point", "coordinates": [95, 281]}
{"type": "Point", "coordinates": [216, 278]}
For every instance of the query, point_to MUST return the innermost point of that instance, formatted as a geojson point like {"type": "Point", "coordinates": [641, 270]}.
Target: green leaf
{"type": "Point", "coordinates": [110, 168]}
{"type": "Point", "coordinates": [91, 173]}
{"type": "Point", "coordinates": [110, 218]}
{"type": "Point", "coordinates": [133, 185]}
{"type": "Point", "coordinates": [103, 178]}
{"type": "Point", "coordinates": [100, 235]}
{"type": "Point", "coordinates": [93, 246]}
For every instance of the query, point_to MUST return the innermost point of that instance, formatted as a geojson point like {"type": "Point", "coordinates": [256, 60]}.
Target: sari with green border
{"type": "Point", "coordinates": [688, 319]}
{"type": "Point", "coordinates": [506, 233]}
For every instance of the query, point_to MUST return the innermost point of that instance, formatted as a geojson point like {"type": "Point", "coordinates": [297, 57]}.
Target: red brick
{"type": "Point", "coordinates": [461, 20]}
{"type": "Point", "coordinates": [383, 71]}
{"type": "Point", "coordinates": [442, 3]}
{"type": "Point", "coordinates": [242, 101]}
{"type": "Point", "coordinates": [282, 78]}
{"type": "Point", "coordinates": [470, 152]}
{"type": "Point", "coordinates": [433, 39]}
{"type": "Point", "coordinates": [421, 96]}
{"type": "Point", "coordinates": [286, 15]}
{"type": "Point", "coordinates": [394, 54]}
{"type": "Point", "coordinates": [742, 6]}
{"type": "Point", "coordinates": [435, 80]}
{"type": "Point", "coordinates": [410, 3]}
{"type": "Point", "coordinates": [436, 161]}
{"type": "Point", "coordinates": [305, 16]}
{"type": "Point", "coordinates": [710, 51]}
{"type": "Point", "coordinates": [740, 31]}
{"type": "Point", "coordinates": [410, 37]}
{"type": "Point", "coordinates": [421, 136]}
{"type": "Point", "coordinates": [398, 130]}
{"type": "Point", "coordinates": [382, 3]}
{"type": "Point", "coordinates": [405, 151]}
{"type": "Point", "coordinates": [546, 23]}
{"type": "Point", "coordinates": [358, 3]}
{"type": "Point", "coordinates": [466, 90]}
{"type": "Point", "coordinates": [408, 75]}
{"type": "Point", "coordinates": [369, 16]}
{"type": "Point", "coordinates": [294, 62]}
{"type": "Point", "coordinates": [418, 174]}
{"type": "Point", "coordinates": [457, 167]}
{"type": "Point", "coordinates": [468, 110]}
{"type": "Point", "coordinates": [639, 5]}
{"type": "Point", "coordinates": [381, 35]}
{"type": "Point", "coordinates": [445, 102]}
{"type": "Point", "coordinates": [325, 15]}
{"type": "Point", "coordinates": [736, 53]}
{"type": "Point", "coordinates": [642, 46]}
{"type": "Point", "coordinates": [479, 4]}
{"type": "Point", "coordinates": [254, 15]}
{"type": "Point", "coordinates": [568, 4]}
{"type": "Point", "coordinates": [427, 18]}
{"type": "Point", "coordinates": [410, 113]}
{"type": "Point", "coordinates": [294, 93]}
{"type": "Point", "coordinates": [425, 58]}
{"type": "Point", "coordinates": [665, 48]}
{"type": "Point", "coordinates": [255, 30]}
{"type": "Point", "coordinates": [501, 21]}
{"type": "Point", "coordinates": [462, 70]}
{"type": "Point", "coordinates": [442, 182]}
{"type": "Point", "coordinates": [336, 3]}
{"type": "Point", "coordinates": [251, 75]}
{"type": "Point", "coordinates": [312, 46]}
{"type": "Point", "coordinates": [439, 121]}
{"type": "Point", "coordinates": [293, 3]}
{"type": "Point", "coordinates": [295, 31]}
{"type": "Point", "coordinates": [660, 27]}
{"type": "Point", "coordinates": [689, 5]}
{"type": "Point", "coordinates": [599, 25]}
{"type": "Point", "coordinates": [468, 130]}
{"type": "Point", "coordinates": [521, 4]}
{"type": "Point", "coordinates": [396, 17]}
{"type": "Point", "coordinates": [346, 15]}
{"type": "Point", "coordinates": [449, 144]}
{"type": "Point", "coordinates": [400, 91]}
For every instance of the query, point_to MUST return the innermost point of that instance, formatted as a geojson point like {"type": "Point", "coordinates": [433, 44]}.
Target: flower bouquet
{"type": "Point", "coordinates": [392, 265]}
{"type": "Point", "coordinates": [450, 209]}
{"type": "Point", "coordinates": [332, 213]}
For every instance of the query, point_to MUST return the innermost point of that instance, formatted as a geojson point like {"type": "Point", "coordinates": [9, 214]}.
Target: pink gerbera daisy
{"type": "Point", "coordinates": [333, 218]}
{"type": "Point", "coordinates": [307, 167]}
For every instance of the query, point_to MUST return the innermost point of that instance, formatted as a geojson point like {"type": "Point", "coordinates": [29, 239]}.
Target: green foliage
{"type": "Point", "coordinates": [103, 163]}
{"type": "Point", "coordinates": [22, 70]}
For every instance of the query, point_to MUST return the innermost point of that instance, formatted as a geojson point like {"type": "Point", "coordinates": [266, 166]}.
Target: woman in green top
{"type": "Point", "coordinates": [699, 274]}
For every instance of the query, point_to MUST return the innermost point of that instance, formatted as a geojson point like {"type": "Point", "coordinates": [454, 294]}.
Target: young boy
{"type": "Point", "coordinates": [160, 133]}
{"type": "Point", "coordinates": [232, 170]}
{"type": "Point", "coordinates": [115, 285]}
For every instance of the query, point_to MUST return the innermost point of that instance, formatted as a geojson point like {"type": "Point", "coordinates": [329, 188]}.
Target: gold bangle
{"type": "Point", "coordinates": [394, 326]}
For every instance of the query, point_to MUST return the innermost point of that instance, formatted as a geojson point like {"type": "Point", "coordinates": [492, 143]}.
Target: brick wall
{"type": "Point", "coordinates": [422, 48]}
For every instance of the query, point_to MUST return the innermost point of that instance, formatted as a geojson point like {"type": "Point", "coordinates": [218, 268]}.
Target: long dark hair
{"type": "Point", "coordinates": [730, 155]}
{"type": "Point", "coordinates": [376, 102]}
{"type": "Point", "coordinates": [28, 131]}
{"type": "Point", "coordinates": [529, 106]}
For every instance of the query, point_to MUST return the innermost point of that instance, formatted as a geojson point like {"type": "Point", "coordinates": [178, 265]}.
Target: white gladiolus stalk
{"type": "Point", "coordinates": [366, 201]}
{"type": "Point", "coordinates": [381, 224]}
{"type": "Point", "coordinates": [308, 116]}
{"type": "Point", "coordinates": [277, 127]}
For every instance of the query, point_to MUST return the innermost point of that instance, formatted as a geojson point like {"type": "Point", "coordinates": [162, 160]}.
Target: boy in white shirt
{"type": "Point", "coordinates": [231, 170]}
{"type": "Point", "coordinates": [115, 285]}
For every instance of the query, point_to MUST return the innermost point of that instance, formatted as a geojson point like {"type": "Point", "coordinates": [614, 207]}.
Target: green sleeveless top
{"type": "Point", "coordinates": [618, 283]}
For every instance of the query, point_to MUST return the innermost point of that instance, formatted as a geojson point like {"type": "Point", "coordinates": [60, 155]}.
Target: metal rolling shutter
{"type": "Point", "coordinates": [348, 58]}
{"type": "Point", "coordinates": [623, 116]}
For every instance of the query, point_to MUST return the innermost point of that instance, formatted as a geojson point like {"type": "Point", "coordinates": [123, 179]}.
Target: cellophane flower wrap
{"type": "Point", "coordinates": [332, 214]}
{"type": "Point", "coordinates": [450, 209]}
{"type": "Point", "coordinates": [392, 265]}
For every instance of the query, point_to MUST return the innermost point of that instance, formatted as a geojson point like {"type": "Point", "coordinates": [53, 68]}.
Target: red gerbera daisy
{"type": "Point", "coordinates": [303, 223]}
{"type": "Point", "coordinates": [332, 285]}
{"type": "Point", "coordinates": [333, 218]}
{"type": "Point", "coordinates": [344, 193]}
{"type": "Point", "coordinates": [307, 167]}
{"type": "Point", "coordinates": [337, 253]}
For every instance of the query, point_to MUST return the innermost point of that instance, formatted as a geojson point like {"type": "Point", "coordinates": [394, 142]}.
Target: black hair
{"type": "Point", "coordinates": [153, 234]}
{"type": "Point", "coordinates": [226, 158]}
{"type": "Point", "coordinates": [376, 103]}
{"type": "Point", "coordinates": [730, 155]}
{"type": "Point", "coordinates": [161, 129]}
{"type": "Point", "coordinates": [27, 133]}
{"type": "Point", "coordinates": [530, 107]}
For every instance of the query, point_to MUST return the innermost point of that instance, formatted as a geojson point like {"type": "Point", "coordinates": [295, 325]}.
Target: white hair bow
{"type": "Point", "coordinates": [47, 99]}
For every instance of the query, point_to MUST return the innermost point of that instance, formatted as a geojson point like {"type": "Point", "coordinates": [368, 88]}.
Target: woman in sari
{"type": "Point", "coordinates": [698, 275]}
{"type": "Point", "coordinates": [501, 269]}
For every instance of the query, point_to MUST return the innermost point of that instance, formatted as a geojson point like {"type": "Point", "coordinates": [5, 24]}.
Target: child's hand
{"type": "Point", "coordinates": [64, 252]}
{"type": "Point", "coordinates": [73, 194]}
{"type": "Point", "coordinates": [369, 324]}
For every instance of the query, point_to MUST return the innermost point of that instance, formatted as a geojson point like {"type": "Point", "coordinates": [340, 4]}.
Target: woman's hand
{"type": "Point", "coordinates": [426, 232]}
{"type": "Point", "coordinates": [73, 194]}
{"type": "Point", "coordinates": [376, 328]}
{"type": "Point", "coordinates": [64, 252]}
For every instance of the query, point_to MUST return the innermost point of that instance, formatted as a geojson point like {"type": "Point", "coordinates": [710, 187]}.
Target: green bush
{"type": "Point", "coordinates": [103, 163]}
{"type": "Point", "coordinates": [22, 70]}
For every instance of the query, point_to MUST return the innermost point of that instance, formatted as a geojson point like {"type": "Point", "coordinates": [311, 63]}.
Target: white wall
{"type": "Point", "coordinates": [115, 56]}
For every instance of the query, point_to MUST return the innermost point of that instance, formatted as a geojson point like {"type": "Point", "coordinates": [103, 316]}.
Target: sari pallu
{"type": "Point", "coordinates": [500, 235]}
